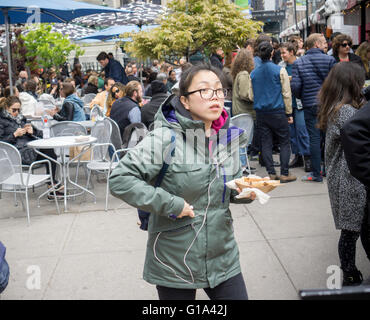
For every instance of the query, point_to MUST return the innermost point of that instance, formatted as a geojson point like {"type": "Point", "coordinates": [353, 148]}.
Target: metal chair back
{"type": "Point", "coordinates": [67, 128]}
{"type": "Point", "coordinates": [10, 161]}
{"type": "Point", "coordinates": [96, 113]}
{"type": "Point", "coordinates": [244, 121]}
{"type": "Point", "coordinates": [115, 138]}
{"type": "Point", "coordinates": [102, 131]}
{"type": "Point", "coordinates": [87, 98]}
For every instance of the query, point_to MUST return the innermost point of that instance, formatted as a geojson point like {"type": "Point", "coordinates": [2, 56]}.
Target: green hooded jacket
{"type": "Point", "coordinates": [188, 253]}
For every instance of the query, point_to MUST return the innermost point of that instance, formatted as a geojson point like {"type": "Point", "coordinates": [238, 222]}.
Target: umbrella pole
{"type": "Point", "coordinates": [6, 20]}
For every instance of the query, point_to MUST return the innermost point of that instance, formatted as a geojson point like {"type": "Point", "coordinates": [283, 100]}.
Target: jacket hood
{"type": "Point", "coordinates": [75, 99]}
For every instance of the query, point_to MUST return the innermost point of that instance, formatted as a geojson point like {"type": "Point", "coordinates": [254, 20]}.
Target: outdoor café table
{"type": "Point", "coordinates": [62, 143]}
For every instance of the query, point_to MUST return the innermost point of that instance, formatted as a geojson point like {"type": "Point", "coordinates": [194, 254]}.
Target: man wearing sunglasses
{"type": "Point", "coordinates": [342, 50]}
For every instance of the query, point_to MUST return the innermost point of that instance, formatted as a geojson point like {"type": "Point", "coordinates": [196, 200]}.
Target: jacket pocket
{"type": "Point", "coordinates": [185, 181]}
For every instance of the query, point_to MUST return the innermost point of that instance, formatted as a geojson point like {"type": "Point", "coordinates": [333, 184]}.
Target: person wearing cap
{"type": "Point", "coordinates": [159, 95]}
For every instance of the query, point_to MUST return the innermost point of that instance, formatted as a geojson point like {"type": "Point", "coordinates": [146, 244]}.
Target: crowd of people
{"type": "Point", "coordinates": [302, 98]}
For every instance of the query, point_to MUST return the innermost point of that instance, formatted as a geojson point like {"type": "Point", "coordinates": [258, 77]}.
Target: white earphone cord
{"type": "Point", "coordinates": [196, 236]}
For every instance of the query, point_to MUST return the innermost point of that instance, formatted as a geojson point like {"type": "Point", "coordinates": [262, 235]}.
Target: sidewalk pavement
{"type": "Point", "coordinates": [285, 245]}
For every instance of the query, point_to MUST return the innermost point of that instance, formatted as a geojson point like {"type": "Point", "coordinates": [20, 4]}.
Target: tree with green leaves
{"type": "Point", "coordinates": [193, 26]}
{"type": "Point", "coordinates": [50, 48]}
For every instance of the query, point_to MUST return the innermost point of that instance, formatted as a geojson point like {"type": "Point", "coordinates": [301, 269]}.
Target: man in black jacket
{"type": "Point", "coordinates": [126, 110]}
{"type": "Point", "coordinates": [159, 95]}
{"type": "Point", "coordinates": [112, 68]}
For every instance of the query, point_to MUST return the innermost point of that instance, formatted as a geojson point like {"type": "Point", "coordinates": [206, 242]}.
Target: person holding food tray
{"type": "Point", "coordinates": [191, 242]}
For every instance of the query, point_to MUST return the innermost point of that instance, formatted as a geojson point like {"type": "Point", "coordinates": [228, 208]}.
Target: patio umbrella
{"type": "Point", "coordinates": [115, 31]}
{"type": "Point", "coordinates": [70, 30]}
{"type": "Point", "coordinates": [141, 14]}
{"type": "Point", "coordinates": [31, 11]}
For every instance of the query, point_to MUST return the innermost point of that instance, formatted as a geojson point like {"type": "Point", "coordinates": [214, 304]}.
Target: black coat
{"type": "Point", "coordinates": [120, 112]}
{"type": "Point", "coordinates": [216, 61]}
{"type": "Point", "coordinates": [7, 128]}
{"type": "Point", "coordinates": [115, 71]}
{"type": "Point", "coordinates": [355, 136]}
{"type": "Point", "coordinates": [149, 110]}
{"type": "Point", "coordinates": [90, 89]}
{"type": "Point", "coordinates": [352, 58]}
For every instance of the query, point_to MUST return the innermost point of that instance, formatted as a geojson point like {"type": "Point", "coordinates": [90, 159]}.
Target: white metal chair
{"type": "Point", "coordinates": [100, 161]}
{"type": "Point", "coordinates": [115, 137]}
{"type": "Point", "coordinates": [245, 121]}
{"type": "Point", "coordinates": [67, 128]}
{"type": "Point", "coordinates": [87, 98]}
{"type": "Point", "coordinates": [11, 175]}
{"type": "Point", "coordinates": [96, 113]}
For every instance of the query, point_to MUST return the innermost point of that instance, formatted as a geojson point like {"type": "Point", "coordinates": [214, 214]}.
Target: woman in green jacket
{"type": "Point", "coordinates": [191, 241]}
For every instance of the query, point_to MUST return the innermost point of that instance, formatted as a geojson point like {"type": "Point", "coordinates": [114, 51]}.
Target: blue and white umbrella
{"type": "Point", "coordinates": [115, 32]}
{"type": "Point", "coordinates": [35, 11]}
{"type": "Point", "coordinates": [141, 13]}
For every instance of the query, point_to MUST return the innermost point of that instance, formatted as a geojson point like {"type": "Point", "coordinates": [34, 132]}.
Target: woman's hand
{"type": "Point", "coordinates": [28, 128]}
{"type": "Point", "coordinates": [19, 132]}
{"type": "Point", "coordinates": [187, 211]}
{"type": "Point", "coordinates": [252, 195]}
{"type": "Point", "coordinates": [290, 120]}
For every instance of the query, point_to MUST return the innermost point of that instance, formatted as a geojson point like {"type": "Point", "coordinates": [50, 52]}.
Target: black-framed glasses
{"type": "Point", "coordinates": [208, 93]}
{"type": "Point", "coordinates": [344, 45]}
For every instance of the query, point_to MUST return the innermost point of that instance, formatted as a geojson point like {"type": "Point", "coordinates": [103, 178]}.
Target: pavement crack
{"type": "Point", "coordinates": [272, 249]}
{"type": "Point", "coordinates": [60, 254]}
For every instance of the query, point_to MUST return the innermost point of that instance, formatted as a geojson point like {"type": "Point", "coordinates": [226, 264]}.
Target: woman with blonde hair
{"type": "Point", "coordinates": [363, 51]}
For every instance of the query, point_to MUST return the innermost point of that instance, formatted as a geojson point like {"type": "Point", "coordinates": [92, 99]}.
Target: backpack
{"type": "Point", "coordinates": [144, 215]}
{"type": "Point", "coordinates": [4, 269]}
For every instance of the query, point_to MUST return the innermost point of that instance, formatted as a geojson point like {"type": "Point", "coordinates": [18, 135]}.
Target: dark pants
{"type": "Point", "coordinates": [232, 289]}
{"type": "Point", "coordinates": [347, 244]}
{"type": "Point", "coordinates": [268, 125]}
{"type": "Point", "coordinates": [310, 117]}
{"type": "Point", "coordinates": [51, 154]}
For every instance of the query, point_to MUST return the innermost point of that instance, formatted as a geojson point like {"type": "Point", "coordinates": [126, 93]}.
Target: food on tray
{"type": "Point", "coordinates": [263, 184]}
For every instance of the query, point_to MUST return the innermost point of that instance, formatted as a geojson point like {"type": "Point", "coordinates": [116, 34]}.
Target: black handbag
{"type": "Point", "coordinates": [28, 155]}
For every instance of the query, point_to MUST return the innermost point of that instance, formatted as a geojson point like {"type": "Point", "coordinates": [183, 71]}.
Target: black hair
{"type": "Point", "coordinates": [188, 75]}
{"type": "Point", "coordinates": [265, 50]}
{"type": "Point", "coordinates": [106, 81]}
{"type": "Point", "coordinates": [102, 56]}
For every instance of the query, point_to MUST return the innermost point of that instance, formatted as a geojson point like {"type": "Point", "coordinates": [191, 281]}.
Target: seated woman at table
{"type": "Point", "coordinates": [15, 130]}
{"type": "Point", "coordinates": [72, 108]}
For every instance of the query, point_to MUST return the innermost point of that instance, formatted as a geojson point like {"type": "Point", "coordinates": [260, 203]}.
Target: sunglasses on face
{"type": "Point", "coordinates": [344, 45]}
{"type": "Point", "coordinates": [16, 110]}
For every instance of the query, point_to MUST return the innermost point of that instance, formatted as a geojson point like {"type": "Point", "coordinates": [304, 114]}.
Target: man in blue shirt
{"type": "Point", "coordinates": [112, 68]}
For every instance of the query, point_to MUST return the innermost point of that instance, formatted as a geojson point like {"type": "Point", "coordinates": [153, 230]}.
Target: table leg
{"type": "Point", "coordinates": [75, 183]}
